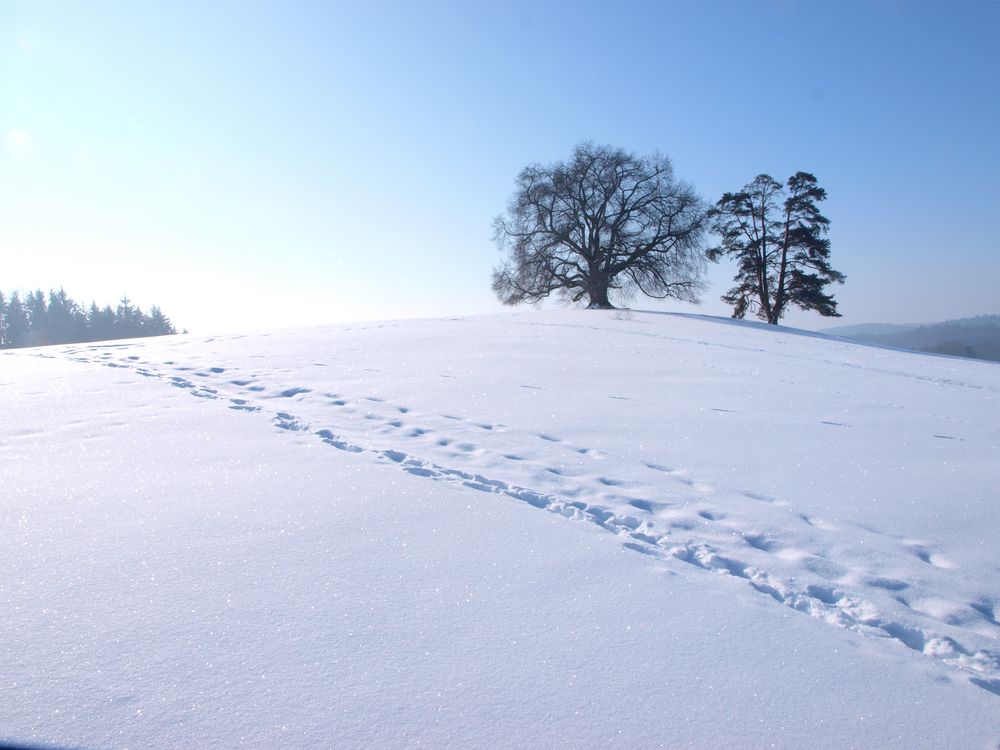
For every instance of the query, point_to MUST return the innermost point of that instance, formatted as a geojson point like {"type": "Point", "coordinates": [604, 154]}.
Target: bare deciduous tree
{"type": "Point", "coordinates": [605, 221]}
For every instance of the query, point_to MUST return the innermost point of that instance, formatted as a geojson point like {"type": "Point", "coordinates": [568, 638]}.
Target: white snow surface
{"type": "Point", "coordinates": [548, 529]}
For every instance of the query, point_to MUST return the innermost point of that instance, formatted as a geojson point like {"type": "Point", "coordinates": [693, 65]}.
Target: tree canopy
{"type": "Point", "coordinates": [775, 234]}
{"type": "Point", "coordinates": [605, 221]}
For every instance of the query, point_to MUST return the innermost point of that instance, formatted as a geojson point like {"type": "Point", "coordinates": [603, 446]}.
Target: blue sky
{"type": "Point", "coordinates": [254, 164]}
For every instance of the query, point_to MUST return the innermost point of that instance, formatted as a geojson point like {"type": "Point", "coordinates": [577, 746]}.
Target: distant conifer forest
{"type": "Point", "coordinates": [38, 320]}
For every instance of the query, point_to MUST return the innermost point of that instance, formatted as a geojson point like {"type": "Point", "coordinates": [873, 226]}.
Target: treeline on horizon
{"type": "Point", "coordinates": [58, 319]}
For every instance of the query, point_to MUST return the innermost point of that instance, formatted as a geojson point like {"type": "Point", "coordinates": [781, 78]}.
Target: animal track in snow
{"type": "Point", "coordinates": [290, 392]}
{"type": "Point", "coordinates": [241, 404]}
{"type": "Point", "coordinates": [938, 561]}
{"type": "Point", "coordinates": [286, 421]}
{"type": "Point", "coordinates": [654, 526]}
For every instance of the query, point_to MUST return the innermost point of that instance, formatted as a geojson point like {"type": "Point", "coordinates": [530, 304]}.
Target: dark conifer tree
{"type": "Point", "coordinates": [158, 324]}
{"type": "Point", "coordinates": [18, 329]}
{"type": "Point", "coordinates": [38, 318]}
{"type": "Point", "coordinates": [93, 322]}
{"type": "Point", "coordinates": [108, 327]}
{"type": "Point", "coordinates": [776, 238]}
{"type": "Point", "coordinates": [63, 316]}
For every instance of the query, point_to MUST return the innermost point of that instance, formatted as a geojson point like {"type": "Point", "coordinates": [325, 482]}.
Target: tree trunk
{"type": "Point", "coordinates": [599, 295]}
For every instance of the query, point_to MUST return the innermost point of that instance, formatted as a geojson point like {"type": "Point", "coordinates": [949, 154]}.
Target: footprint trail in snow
{"type": "Point", "coordinates": [849, 576]}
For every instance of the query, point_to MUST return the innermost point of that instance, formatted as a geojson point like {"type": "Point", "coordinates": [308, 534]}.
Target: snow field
{"type": "Point", "coordinates": [764, 475]}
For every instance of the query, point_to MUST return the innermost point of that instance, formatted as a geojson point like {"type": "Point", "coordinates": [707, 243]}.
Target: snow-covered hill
{"type": "Point", "coordinates": [551, 529]}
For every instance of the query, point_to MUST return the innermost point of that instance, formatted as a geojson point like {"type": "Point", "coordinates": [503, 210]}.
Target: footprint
{"type": "Point", "coordinates": [286, 421]}
{"type": "Point", "coordinates": [289, 392]}
{"type": "Point", "coordinates": [758, 541]}
{"type": "Point", "coordinates": [938, 561]}
{"type": "Point", "coordinates": [241, 404]}
{"type": "Point", "coordinates": [909, 637]}
{"type": "Point", "coordinates": [992, 685]}
{"type": "Point", "coordinates": [986, 610]}
{"type": "Point", "coordinates": [684, 524]}
{"type": "Point", "coordinates": [889, 584]}
{"type": "Point", "coordinates": [825, 594]}
{"type": "Point", "coordinates": [330, 439]}
{"type": "Point", "coordinates": [649, 506]}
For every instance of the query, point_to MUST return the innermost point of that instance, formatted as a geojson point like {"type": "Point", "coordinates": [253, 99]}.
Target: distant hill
{"type": "Point", "coordinates": [978, 338]}
{"type": "Point", "coordinates": [871, 329]}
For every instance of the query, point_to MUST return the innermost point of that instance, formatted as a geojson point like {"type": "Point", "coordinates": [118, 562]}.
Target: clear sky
{"type": "Point", "coordinates": [254, 164]}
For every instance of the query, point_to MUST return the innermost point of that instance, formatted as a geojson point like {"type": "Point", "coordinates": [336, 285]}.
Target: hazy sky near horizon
{"type": "Point", "coordinates": [256, 164]}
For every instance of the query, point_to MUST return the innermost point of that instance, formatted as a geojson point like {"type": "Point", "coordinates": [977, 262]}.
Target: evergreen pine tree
{"type": "Point", "coordinates": [38, 318]}
{"type": "Point", "coordinates": [18, 329]}
{"type": "Point", "coordinates": [61, 316]}
{"type": "Point", "coordinates": [125, 326]}
{"type": "Point", "coordinates": [158, 324]}
{"type": "Point", "coordinates": [781, 254]}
